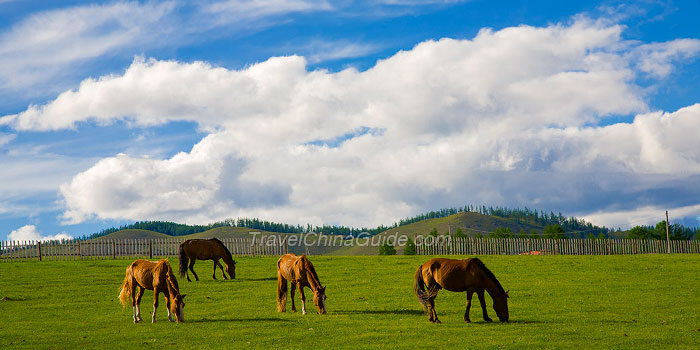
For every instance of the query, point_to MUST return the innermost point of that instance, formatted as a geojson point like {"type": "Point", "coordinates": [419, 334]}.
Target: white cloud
{"type": "Point", "coordinates": [46, 43]}
{"type": "Point", "coordinates": [504, 118]}
{"type": "Point", "coordinates": [30, 233]}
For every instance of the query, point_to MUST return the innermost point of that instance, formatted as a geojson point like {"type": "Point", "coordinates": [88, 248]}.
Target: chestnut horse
{"type": "Point", "coordinates": [155, 276]}
{"type": "Point", "coordinates": [468, 275]}
{"type": "Point", "coordinates": [205, 249]}
{"type": "Point", "coordinates": [300, 272]}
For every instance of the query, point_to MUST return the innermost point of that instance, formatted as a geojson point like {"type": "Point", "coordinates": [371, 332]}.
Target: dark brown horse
{"type": "Point", "coordinates": [155, 276]}
{"type": "Point", "coordinates": [468, 275]}
{"type": "Point", "coordinates": [299, 271]}
{"type": "Point", "coordinates": [205, 249]}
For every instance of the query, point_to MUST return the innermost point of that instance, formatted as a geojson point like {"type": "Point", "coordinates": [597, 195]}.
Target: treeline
{"type": "Point", "coordinates": [165, 227]}
{"type": "Point", "coordinates": [675, 232]}
{"type": "Point", "coordinates": [554, 225]}
{"type": "Point", "coordinates": [264, 225]}
{"type": "Point", "coordinates": [571, 225]}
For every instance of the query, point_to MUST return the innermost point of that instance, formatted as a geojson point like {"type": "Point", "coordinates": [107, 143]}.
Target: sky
{"type": "Point", "coordinates": [356, 113]}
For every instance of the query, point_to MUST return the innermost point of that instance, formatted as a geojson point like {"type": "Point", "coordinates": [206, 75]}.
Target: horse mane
{"type": "Point", "coordinates": [488, 273]}
{"type": "Point", "coordinates": [224, 246]}
{"type": "Point", "coordinates": [310, 267]}
{"type": "Point", "coordinates": [170, 275]}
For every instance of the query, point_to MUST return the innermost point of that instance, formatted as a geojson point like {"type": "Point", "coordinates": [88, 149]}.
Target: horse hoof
{"type": "Point", "coordinates": [437, 321]}
{"type": "Point", "coordinates": [468, 321]}
{"type": "Point", "coordinates": [488, 320]}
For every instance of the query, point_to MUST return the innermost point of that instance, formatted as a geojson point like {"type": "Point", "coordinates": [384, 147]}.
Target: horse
{"type": "Point", "coordinates": [205, 249]}
{"type": "Point", "coordinates": [470, 275]}
{"type": "Point", "coordinates": [299, 271]}
{"type": "Point", "coordinates": [158, 277]}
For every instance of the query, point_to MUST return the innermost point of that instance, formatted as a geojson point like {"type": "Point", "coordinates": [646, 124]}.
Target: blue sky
{"type": "Point", "coordinates": [344, 112]}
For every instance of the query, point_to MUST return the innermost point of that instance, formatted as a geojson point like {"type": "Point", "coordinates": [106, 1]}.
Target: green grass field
{"type": "Point", "coordinates": [650, 301]}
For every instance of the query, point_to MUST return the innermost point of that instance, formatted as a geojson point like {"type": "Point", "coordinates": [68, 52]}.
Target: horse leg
{"type": "Point", "coordinates": [192, 269]}
{"type": "Point", "coordinates": [303, 299]}
{"type": "Point", "coordinates": [167, 306]}
{"type": "Point", "coordinates": [480, 294]}
{"type": "Point", "coordinates": [214, 275]}
{"type": "Point", "coordinates": [470, 293]}
{"type": "Point", "coordinates": [138, 304]}
{"type": "Point", "coordinates": [217, 263]}
{"type": "Point", "coordinates": [433, 313]}
{"type": "Point", "coordinates": [294, 286]}
{"type": "Point", "coordinates": [133, 300]}
{"type": "Point", "coordinates": [155, 304]}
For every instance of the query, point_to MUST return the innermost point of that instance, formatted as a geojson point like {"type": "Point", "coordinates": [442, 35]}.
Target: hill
{"type": "Point", "coordinates": [470, 223]}
{"type": "Point", "coordinates": [134, 234]}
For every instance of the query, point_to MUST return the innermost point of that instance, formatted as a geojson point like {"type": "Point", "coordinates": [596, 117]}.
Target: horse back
{"type": "Point", "coordinates": [451, 274]}
{"type": "Point", "coordinates": [204, 249]}
{"type": "Point", "coordinates": [289, 267]}
{"type": "Point", "coordinates": [150, 274]}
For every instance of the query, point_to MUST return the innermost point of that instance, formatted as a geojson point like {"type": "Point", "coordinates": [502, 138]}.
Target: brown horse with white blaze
{"type": "Point", "coordinates": [299, 271]}
{"type": "Point", "coordinates": [468, 275]}
{"type": "Point", "coordinates": [158, 277]}
{"type": "Point", "coordinates": [205, 249]}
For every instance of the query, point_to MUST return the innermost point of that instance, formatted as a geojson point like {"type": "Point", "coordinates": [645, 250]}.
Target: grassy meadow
{"type": "Point", "coordinates": [642, 301]}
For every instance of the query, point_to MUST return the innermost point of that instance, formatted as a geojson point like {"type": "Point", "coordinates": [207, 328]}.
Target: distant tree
{"type": "Point", "coordinates": [591, 235]}
{"type": "Point", "coordinates": [534, 234]}
{"type": "Point", "coordinates": [459, 233]}
{"type": "Point", "coordinates": [409, 248]}
{"type": "Point", "coordinates": [601, 236]}
{"type": "Point", "coordinates": [522, 234]}
{"type": "Point", "coordinates": [554, 231]}
{"type": "Point", "coordinates": [387, 249]}
{"type": "Point", "coordinates": [501, 232]}
{"type": "Point", "coordinates": [434, 232]}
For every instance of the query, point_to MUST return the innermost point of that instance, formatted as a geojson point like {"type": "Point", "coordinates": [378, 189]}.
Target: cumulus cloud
{"type": "Point", "coordinates": [30, 233]}
{"type": "Point", "coordinates": [509, 117]}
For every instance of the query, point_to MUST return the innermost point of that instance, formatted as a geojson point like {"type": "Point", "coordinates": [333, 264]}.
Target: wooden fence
{"type": "Point", "coordinates": [162, 248]}
{"type": "Point", "coordinates": [125, 249]}
{"type": "Point", "coordinates": [538, 246]}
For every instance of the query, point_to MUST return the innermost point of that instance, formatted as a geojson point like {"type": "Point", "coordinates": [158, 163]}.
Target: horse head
{"type": "Point", "coordinates": [320, 300]}
{"type": "Point", "coordinates": [500, 305]}
{"type": "Point", "coordinates": [177, 307]}
{"type": "Point", "coordinates": [231, 269]}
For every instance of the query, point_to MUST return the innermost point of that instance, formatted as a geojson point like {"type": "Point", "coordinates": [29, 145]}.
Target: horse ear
{"type": "Point", "coordinates": [507, 296]}
{"type": "Point", "coordinates": [183, 296]}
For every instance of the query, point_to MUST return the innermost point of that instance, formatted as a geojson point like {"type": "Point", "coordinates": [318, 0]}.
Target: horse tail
{"type": "Point", "coordinates": [419, 288]}
{"type": "Point", "coordinates": [281, 290]}
{"type": "Point", "coordinates": [125, 293]}
{"type": "Point", "coordinates": [184, 260]}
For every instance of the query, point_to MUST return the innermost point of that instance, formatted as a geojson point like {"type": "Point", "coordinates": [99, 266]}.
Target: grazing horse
{"type": "Point", "coordinates": [205, 249]}
{"type": "Point", "coordinates": [468, 275]}
{"type": "Point", "coordinates": [155, 276]}
{"type": "Point", "coordinates": [300, 272]}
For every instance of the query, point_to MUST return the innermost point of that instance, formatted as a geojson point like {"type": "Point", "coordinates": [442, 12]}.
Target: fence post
{"type": "Point", "coordinates": [38, 245]}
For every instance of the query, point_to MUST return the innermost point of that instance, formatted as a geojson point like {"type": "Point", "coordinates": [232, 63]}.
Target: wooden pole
{"type": "Point", "coordinates": [668, 240]}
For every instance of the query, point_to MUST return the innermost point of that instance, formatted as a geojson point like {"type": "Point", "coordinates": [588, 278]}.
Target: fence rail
{"type": "Point", "coordinates": [11, 251]}
{"type": "Point", "coordinates": [538, 246]}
